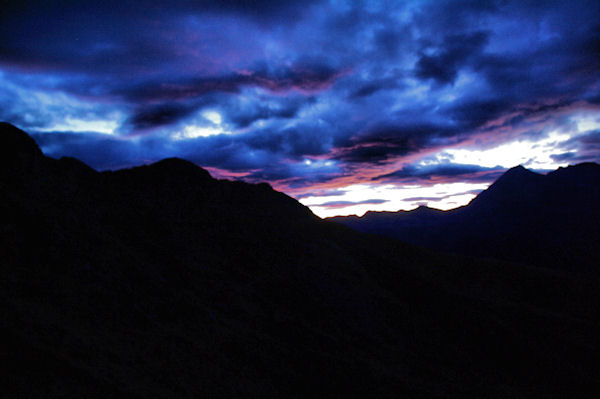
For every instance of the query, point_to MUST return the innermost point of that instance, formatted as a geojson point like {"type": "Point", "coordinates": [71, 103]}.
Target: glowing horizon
{"type": "Point", "coordinates": [347, 107]}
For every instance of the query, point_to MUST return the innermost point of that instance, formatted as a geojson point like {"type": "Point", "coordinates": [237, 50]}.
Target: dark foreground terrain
{"type": "Point", "coordinates": [160, 281]}
{"type": "Point", "coordinates": [549, 221]}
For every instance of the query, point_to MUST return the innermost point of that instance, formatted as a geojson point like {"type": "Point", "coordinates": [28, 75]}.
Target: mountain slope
{"type": "Point", "coordinates": [160, 281]}
{"type": "Point", "coordinates": [544, 220]}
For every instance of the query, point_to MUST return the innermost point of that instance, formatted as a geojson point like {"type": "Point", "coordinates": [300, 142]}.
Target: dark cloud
{"type": "Point", "coordinates": [159, 115]}
{"type": "Point", "coordinates": [387, 142]}
{"type": "Point", "coordinates": [294, 175]}
{"type": "Point", "coordinates": [326, 193]}
{"type": "Point", "coordinates": [565, 156]}
{"type": "Point", "coordinates": [581, 148]}
{"type": "Point", "coordinates": [243, 113]}
{"type": "Point", "coordinates": [270, 140]}
{"type": "Point", "coordinates": [366, 89]}
{"type": "Point", "coordinates": [99, 151]}
{"type": "Point", "coordinates": [376, 152]}
{"type": "Point", "coordinates": [588, 140]}
{"type": "Point", "coordinates": [284, 9]}
{"type": "Point", "coordinates": [472, 173]}
{"type": "Point", "coordinates": [293, 143]}
{"type": "Point", "coordinates": [427, 199]}
{"type": "Point", "coordinates": [344, 204]}
{"type": "Point", "coordinates": [441, 197]}
{"type": "Point", "coordinates": [306, 141]}
{"type": "Point", "coordinates": [69, 10]}
{"type": "Point", "coordinates": [128, 40]}
{"type": "Point", "coordinates": [594, 99]}
{"type": "Point", "coordinates": [298, 77]}
{"type": "Point", "coordinates": [453, 53]}
{"type": "Point", "coordinates": [473, 113]}
{"type": "Point", "coordinates": [245, 118]}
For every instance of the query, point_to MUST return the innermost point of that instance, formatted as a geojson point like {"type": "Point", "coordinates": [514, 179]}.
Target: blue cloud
{"type": "Point", "coordinates": [353, 87]}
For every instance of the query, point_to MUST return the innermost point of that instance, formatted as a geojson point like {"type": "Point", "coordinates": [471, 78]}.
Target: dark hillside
{"type": "Point", "coordinates": [160, 281]}
{"type": "Point", "coordinates": [549, 221]}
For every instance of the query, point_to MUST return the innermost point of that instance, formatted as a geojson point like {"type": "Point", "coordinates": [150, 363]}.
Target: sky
{"type": "Point", "coordinates": [347, 106]}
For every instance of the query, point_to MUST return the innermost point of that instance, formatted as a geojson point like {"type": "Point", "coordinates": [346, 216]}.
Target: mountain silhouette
{"type": "Point", "coordinates": [543, 220]}
{"type": "Point", "coordinates": [160, 281]}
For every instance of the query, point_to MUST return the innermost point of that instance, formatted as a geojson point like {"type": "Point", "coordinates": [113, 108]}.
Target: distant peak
{"type": "Point", "coordinates": [585, 171]}
{"type": "Point", "coordinates": [175, 162]}
{"type": "Point", "coordinates": [578, 167]}
{"type": "Point", "coordinates": [75, 164]}
{"type": "Point", "coordinates": [180, 166]}
{"type": "Point", "coordinates": [422, 208]}
{"type": "Point", "coordinates": [514, 183]}
{"type": "Point", "coordinates": [518, 169]}
{"type": "Point", "coordinates": [518, 172]}
{"type": "Point", "coordinates": [15, 141]}
{"type": "Point", "coordinates": [18, 151]}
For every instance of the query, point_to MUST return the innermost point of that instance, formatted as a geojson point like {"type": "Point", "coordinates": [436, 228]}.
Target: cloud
{"type": "Point", "coordinates": [159, 115]}
{"type": "Point", "coordinates": [473, 113]}
{"type": "Point", "coordinates": [453, 53]}
{"type": "Point", "coordinates": [387, 142]}
{"type": "Point", "coordinates": [581, 148]}
{"type": "Point", "coordinates": [441, 197]}
{"type": "Point", "coordinates": [443, 171]}
{"type": "Point", "coordinates": [245, 111]}
{"type": "Point", "coordinates": [565, 156]}
{"type": "Point", "coordinates": [321, 193]}
{"type": "Point", "coordinates": [345, 204]}
{"type": "Point", "coordinates": [298, 77]}
{"type": "Point", "coordinates": [99, 151]}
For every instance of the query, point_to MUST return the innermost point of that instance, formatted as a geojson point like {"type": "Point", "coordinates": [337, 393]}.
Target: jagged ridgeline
{"type": "Point", "coordinates": [160, 281]}
{"type": "Point", "coordinates": [550, 221]}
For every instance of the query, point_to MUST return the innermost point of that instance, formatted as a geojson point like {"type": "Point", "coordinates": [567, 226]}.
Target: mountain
{"type": "Point", "coordinates": [543, 220]}
{"type": "Point", "coordinates": [160, 281]}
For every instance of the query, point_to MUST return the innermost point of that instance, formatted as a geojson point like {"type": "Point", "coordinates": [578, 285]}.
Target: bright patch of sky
{"type": "Point", "coordinates": [587, 122]}
{"type": "Point", "coordinates": [529, 152]}
{"type": "Point", "coordinates": [192, 132]}
{"type": "Point", "coordinates": [56, 111]}
{"type": "Point", "coordinates": [441, 196]}
{"type": "Point", "coordinates": [213, 116]}
{"type": "Point", "coordinates": [70, 124]}
{"type": "Point", "coordinates": [532, 154]}
{"type": "Point", "coordinates": [211, 124]}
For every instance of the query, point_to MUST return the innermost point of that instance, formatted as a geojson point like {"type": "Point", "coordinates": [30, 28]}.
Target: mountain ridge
{"type": "Point", "coordinates": [135, 284]}
{"type": "Point", "coordinates": [550, 217]}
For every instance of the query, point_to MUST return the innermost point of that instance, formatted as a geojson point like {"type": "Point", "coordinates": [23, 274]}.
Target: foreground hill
{"type": "Point", "coordinates": [545, 220]}
{"type": "Point", "coordinates": [159, 281]}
